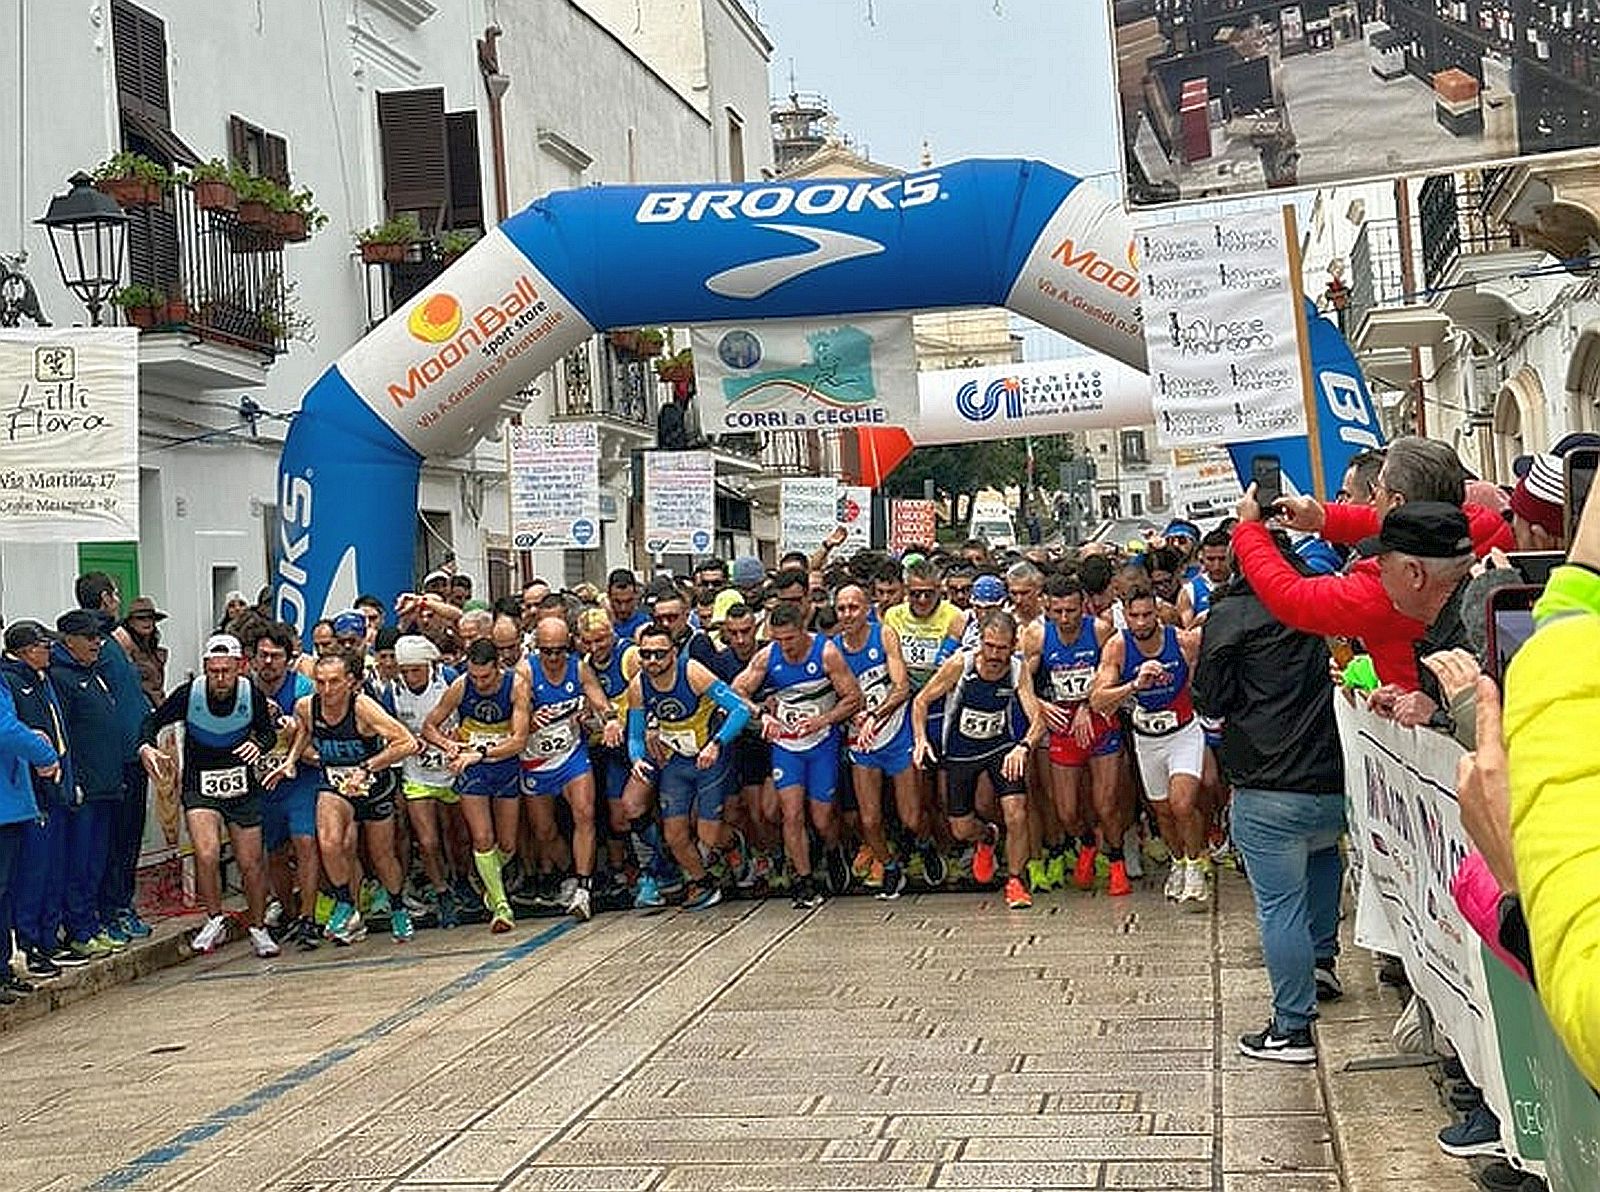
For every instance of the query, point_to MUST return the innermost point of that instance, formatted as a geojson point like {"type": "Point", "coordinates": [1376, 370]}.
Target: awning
{"type": "Point", "coordinates": [160, 138]}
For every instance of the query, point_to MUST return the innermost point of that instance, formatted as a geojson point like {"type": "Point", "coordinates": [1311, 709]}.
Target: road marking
{"type": "Point", "coordinates": [181, 1144]}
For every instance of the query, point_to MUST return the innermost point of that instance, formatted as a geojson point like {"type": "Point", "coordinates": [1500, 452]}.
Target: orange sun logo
{"type": "Point", "coordinates": [435, 320]}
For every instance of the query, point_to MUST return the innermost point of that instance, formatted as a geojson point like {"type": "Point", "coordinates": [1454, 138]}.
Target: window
{"type": "Point", "coordinates": [139, 42]}
{"type": "Point", "coordinates": [1158, 495]}
{"type": "Point", "coordinates": [430, 160]}
{"type": "Point", "coordinates": [1133, 451]}
{"type": "Point", "coordinates": [260, 152]}
{"type": "Point", "coordinates": [1136, 504]}
{"type": "Point", "coordinates": [735, 146]}
{"type": "Point", "coordinates": [434, 541]}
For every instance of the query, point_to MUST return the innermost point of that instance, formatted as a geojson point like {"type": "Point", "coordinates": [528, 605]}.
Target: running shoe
{"type": "Point", "coordinates": [211, 936]}
{"type": "Point", "coordinates": [836, 870]}
{"type": "Point", "coordinates": [345, 925]}
{"type": "Point", "coordinates": [1119, 886]}
{"type": "Point", "coordinates": [1196, 887]}
{"type": "Point", "coordinates": [115, 936]}
{"type": "Point", "coordinates": [449, 912]}
{"type": "Point", "coordinates": [934, 868]}
{"type": "Point", "coordinates": [580, 906]}
{"type": "Point", "coordinates": [1039, 875]}
{"type": "Point", "coordinates": [1017, 896]}
{"type": "Point", "coordinates": [273, 919]}
{"type": "Point", "coordinates": [1132, 853]}
{"type": "Point", "coordinates": [1176, 880]}
{"type": "Point", "coordinates": [1055, 870]}
{"type": "Point", "coordinates": [1156, 849]}
{"type": "Point", "coordinates": [874, 876]}
{"type": "Point", "coordinates": [133, 925]}
{"type": "Point", "coordinates": [807, 894]}
{"type": "Point", "coordinates": [894, 882]}
{"type": "Point", "coordinates": [304, 934]}
{"type": "Point", "coordinates": [646, 895]}
{"type": "Point", "coordinates": [324, 908]}
{"type": "Point", "coordinates": [862, 865]}
{"type": "Point", "coordinates": [265, 946]}
{"type": "Point", "coordinates": [400, 925]}
{"type": "Point", "coordinates": [703, 895]}
{"type": "Point", "coordinates": [502, 921]}
{"type": "Point", "coordinates": [40, 967]}
{"type": "Point", "coordinates": [758, 867]}
{"type": "Point", "coordinates": [1329, 987]}
{"type": "Point", "coordinates": [983, 863]}
{"type": "Point", "coordinates": [1083, 872]}
{"type": "Point", "coordinates": [1286, 1047]}
{"type": "Point", "coordinates": [379, 904]}
{"type": "Point", "coordinates": [68, 956]}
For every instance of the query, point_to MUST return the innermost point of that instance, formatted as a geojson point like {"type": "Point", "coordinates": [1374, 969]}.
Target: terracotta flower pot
{"type": "Point", "coordinates": [216, 195]}
{"type": "Point", "coordinates": [255, 214]}
{"type": "Point", "coordinates": [142, 317]}
{"type": "Point", "coordinates": [291, 225]}
{"type": "Point", "coordinates": [176, 312]}
{"type": "Point", "coordinates": [130, 192]}
{"type": "Point", "coordinates": [384, 254]}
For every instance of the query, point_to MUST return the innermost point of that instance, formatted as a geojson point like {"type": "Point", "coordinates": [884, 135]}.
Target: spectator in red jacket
{"type": "Point", "coordinates": [1355, 605]}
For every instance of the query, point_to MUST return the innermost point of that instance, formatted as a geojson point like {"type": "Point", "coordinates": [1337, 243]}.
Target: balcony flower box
{"type": "Point", "coordinates": [132, 180]}
{"type": "Point", "coordinates": [390, 242]}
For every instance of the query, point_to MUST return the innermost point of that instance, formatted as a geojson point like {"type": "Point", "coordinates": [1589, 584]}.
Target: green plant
{"type": "Point", "coordinates": [133, 165]}
{"type": "Point", "coordinates": [678, 365]}
{"type": "Point", "coordinates": [215, 170]}
{"type": "Point", "coordinates": [453, 243]}
{"type": "Point", "coordinates": [136, 296]}
{"type": "Point", "coordinates": [403, 230]}
{"type": "Point", "coordinates": [281, 316]}
{"type": "Point", "coordinates": [303, 203]}
{"type": "Point", "coordinates": [651, 341]}
{"type": "Point", "coordinates": [253, 188]}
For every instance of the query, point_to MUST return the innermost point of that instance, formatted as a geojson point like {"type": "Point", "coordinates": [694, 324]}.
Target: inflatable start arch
{"type": "Point", "coordinates": [440, 372]}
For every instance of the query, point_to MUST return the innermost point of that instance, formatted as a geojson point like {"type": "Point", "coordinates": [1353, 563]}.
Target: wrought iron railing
{"type": "Point", "coordinates": [595, 381]}
{"type": "Point", "coordinates": [1376, 278]}
{"type": "Point", "coordinates": [1455, 220]}
{"type": "Point", "coordinates": [219, 278]}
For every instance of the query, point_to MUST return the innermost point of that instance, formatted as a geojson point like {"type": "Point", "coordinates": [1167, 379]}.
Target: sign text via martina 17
{"type": "Point", "coordinates": [1220, 328]}
{"type": "Point", "coordinates": [69, 435]}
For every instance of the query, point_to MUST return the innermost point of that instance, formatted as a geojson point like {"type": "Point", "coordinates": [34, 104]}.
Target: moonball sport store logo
{"type": "Point", "coordinates": [436, 319]}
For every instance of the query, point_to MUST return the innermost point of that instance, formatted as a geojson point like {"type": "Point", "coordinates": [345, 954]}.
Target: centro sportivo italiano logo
{"type": "Point", "coordinates": [1051, 391]}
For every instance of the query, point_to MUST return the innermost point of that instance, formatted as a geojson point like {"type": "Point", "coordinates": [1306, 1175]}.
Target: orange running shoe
{"type": "Point", "coordinates": [983, 862]}
{"type": "Point", "coordinates": [1119, 884]}
{"type": "Point", "coordinates": [1017, 896]}
{"type": "Point", "coordinates": [1083, 872]}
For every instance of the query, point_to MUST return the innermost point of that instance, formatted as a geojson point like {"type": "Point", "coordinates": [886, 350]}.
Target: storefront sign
{"type": "Point", "coordinates": [69, 435]}
{"type": "Point", "coordinates": [553, 476]}
{"type": "Point", "coordinates": [680, 506]}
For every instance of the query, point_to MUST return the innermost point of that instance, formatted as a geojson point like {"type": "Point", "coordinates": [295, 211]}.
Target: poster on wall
{"type": "Point", "coordinates": [680, 502]}
{"type": "Point", "coordinates": [553, 477]}
{"type": "Point", "coordinates": [808, 509]}
{"type": "Point", "coordinates": [69, 435]}
{"type": "Point", "coordinates": [801, 374]}
{"type": "Point", "coordinates": [1214, 101]}
{"type": "Point", "coordinates": [1220, 329]}
{"type": "Point", "coordinates": [854, 513]}
{"type": "Point", "coordinates": [912, 525]}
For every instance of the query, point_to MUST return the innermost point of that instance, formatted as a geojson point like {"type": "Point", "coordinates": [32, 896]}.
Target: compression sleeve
{"type": "Point", "coordinates": [635, 734]}
{"type": "Point", "coordinates": [738, 711]}
{"type": "Point", "coordinates": [947, 646]}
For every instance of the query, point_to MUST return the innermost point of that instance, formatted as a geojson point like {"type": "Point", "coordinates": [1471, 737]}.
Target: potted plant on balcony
{"type": "Point", "coordinates": [677, 368]}
{"type": "Point", "coordinates": [175, 311]}
{"type": "Point", "coordinates": [132, 179]}
{"type": "Point", "coordinates": [389, 242]}
{"type": "Point", "coordinates": [214, 188]}
{"type": "Point", "coordinates": [258, 198]}
{"type": "Point", "coordinates": [452, 245]}
{"type": "Point", "coordinates": [140, 304]}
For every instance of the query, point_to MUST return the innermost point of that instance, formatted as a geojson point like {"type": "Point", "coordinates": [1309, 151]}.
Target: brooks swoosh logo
{"type": "Point", "coordinates": [755, 278]}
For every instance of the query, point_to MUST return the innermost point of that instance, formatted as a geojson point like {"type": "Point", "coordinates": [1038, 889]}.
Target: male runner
{"type": "Point", "coordinates": [752, 807]}
{"type": "Point", "coordinates": [228, 725]}
{"type": "Point", "coordinates": [814, 693]}
{"type": "Point", "coordinates": [1194, 599]}
{"type": "Point", "coordinates": [1062, 654]}
{"type": "Point", "coordinates": [622, 599]}
{"type": "Point", "coordinates": [425, 776]}
{"type": "Point", "coordinates": [356, 743]}
{"type": "Point", "coordinates": [613, 665]}
{"type": "Point", "coordinates": [555, 761]}
{"type": "Point", "coordinates": [491, 704]}
{"type": "Point", "coordinates": [982, 743]}
{"type": "Point", "coordinates": [289, 806]}
{"type": "Point", "coordinates": [689, 767]}
{"type": "Point", "coordinates": [1151, 663]}
{"type": "Point", "coordinates": [888, 588]}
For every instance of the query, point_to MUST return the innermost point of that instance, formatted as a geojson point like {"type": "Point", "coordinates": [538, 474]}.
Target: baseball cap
{"type": "Point", "coordinates": [1566, 443]}
{"type": "Point", "coordinates": [415, 650]}
{"type": "Point", "coordinates": [349, 622]}
{"type": "Point", "coordinates": [725, 600]}
{"type": "Point", "coordinates": [1540, 496]}
{"type": "Point", "coordinates": [80, 622]}
{"type": "Point", "coordinates": [1426, 529]}
{"type": "Point", "coordinates": [436, 577]}
{"type": "Point", "coordinates": [747, 571]}
{"type": "Point", "coordinates": [222, 645]}
{"type": "Point", "coordinates": [988, 589]}
{"type": "Point", "coordinates": [22, 634]}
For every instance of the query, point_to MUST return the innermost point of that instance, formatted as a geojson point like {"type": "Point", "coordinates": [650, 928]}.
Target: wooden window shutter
{"type": "Point", "coordinates": [238, 143]}
{"type": "Point", "coordinates": [411, 125]}
{"type": "Point", "coordinates": [275, 159]}
{"type": "Point", "coordinates": [139, 42]}
{"type": "Point", "coordinates": [466, 178]}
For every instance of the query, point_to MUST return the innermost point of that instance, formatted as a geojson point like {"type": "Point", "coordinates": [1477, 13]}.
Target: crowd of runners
{"type": "Point", "coordinates": [959, 718]}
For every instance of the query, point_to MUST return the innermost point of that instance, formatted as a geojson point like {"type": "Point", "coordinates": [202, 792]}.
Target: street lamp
{"type": "Point", "coordinates": [87, 230]}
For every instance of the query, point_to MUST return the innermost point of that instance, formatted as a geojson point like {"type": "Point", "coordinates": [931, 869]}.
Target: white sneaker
{"type": "Point", "coordinates": [578, 904]}
{"type": "Point", "coordinates": [261, 940]}
{"type": "Point", "coordinates": [1196, 887]}
{"type": "Point", "coordinates": [569, 888]}
{"type": "Point", "coordinates": [212, 936]}
{"type": "Point", "coordinates": [1133, 853]}
{"type": "Point", "coordinates": [274, 915]}
{"type": "Point", "coordinates": [1177, 880]}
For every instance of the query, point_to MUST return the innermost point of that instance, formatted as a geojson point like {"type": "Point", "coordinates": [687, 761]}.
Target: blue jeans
{"type": "Point", "coordinates": [1290, 844]}
{"type": "Point", "coordinates": [88, 843]}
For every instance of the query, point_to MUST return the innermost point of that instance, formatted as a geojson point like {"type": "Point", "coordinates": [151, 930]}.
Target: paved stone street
{"type": "Point", "coordinates": [935, 1042]}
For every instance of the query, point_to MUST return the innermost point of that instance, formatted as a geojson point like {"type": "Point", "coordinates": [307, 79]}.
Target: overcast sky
{"type": "Point", "coordinates": [1008, 78]}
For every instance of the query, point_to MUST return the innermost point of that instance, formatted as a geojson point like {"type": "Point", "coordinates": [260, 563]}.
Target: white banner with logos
{"type": "Point", "coordinates": [69, 435]}
{"type": "Point", "coordinates": [1051, 397]}
{"type": "Point", "coordinates": [1219, 317]}
{"type": "Point", "coordinates": [805, 374]}
{"type": "Point", "coordinates": [553, 477]}
{"type": "Point", "coordinates": [680, 502]}
{"type": "Point", "coordinates": [808, 508]}
{"type": "Point", "coordinates": [1204, 479]}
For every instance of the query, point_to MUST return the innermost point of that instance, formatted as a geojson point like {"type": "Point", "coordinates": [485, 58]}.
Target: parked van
{"type": "Point", "coordinates": [993, 524]}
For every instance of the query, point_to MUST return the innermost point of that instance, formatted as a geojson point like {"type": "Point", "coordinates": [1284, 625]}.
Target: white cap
{"type": "Point", "coordinates": [222, 645]}
{"type": "Point", "coordinates": [415, 650]}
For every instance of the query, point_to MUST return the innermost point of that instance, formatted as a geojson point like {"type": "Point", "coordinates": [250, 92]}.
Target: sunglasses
{"type": "Point", "coordinates": [653, 655]}
{"type": "Point", "coordinates": [922, 593]}
{"type": "Point", "coordinates": [553, 651]}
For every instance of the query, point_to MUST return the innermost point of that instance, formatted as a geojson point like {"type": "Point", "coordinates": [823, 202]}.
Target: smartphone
{"type": "Point", "coordinates": [1580, 465]}
{"type": "Point", "coordinates": [1266, 471]}
{"type": "Point", "coordinates": [1510, 616]}
{"type": "Point", "coordinates": [1535, 565]}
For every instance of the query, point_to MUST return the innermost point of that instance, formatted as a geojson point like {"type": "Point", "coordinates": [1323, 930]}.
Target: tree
{"type": "Point", "coordinates": [961, 469]}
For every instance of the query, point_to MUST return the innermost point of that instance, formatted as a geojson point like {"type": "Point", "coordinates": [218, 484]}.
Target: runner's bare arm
{"type": "Point", "coordinates": [521, 719]}
{"type": "Point", "coordinates": [373, 721]}
{"type": "Point", "coordinates": [433, 727]}
{"type": "Point", "coordinates": [844, 683]}
{"type": "Point", "coordinates": [1108, 691]}
{"type": "Point", "coordinates": [899, 680]}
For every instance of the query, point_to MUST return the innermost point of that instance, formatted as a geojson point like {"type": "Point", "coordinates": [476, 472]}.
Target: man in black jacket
{"type": "Point", "coordinates": [1280, 750]}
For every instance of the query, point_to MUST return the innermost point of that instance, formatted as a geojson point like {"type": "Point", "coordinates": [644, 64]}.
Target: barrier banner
{"type": "Point", "coordinates": [553, 478]}
{"type": "Point", "coordinates": [1001, 401]}
{"type": "Point", "coordinates": [69, 434]}
{"type": "Point", "coordinates": [801, 374]}
{"type": "Point", "coordinates": [1204, 483]}
{"type": "Point", "coordinates": [680, 502]}
{"type": "Point", "coordinates": [855, 515]}
{"type": "Point", "coordinates": [1220, 330]}
{"type": "Point", "coordinates": [1406, 844]}
{"type": "Point", "coordinates": [808, 508]}
{"type": "Point", "coordinates": [912, 525]}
